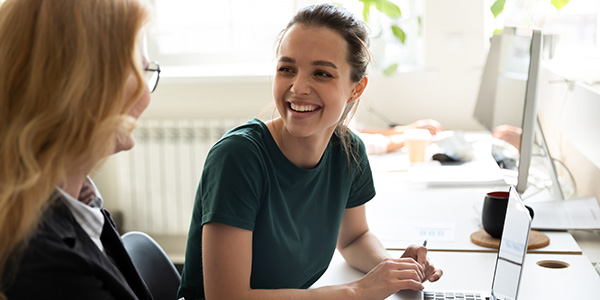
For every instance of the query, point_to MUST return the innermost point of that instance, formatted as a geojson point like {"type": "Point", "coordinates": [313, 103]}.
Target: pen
{"type": "Point", "coordinates": [425, 243]}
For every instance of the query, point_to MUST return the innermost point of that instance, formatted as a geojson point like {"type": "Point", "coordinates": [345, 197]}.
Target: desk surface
{"type": "Point", "coordinates": [405, 212]}
{"type": "Point", "coordinates": [474, 272]}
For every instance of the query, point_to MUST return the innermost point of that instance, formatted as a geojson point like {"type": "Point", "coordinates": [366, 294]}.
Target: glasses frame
{"type": "Point", "coordinates": [153, 67]}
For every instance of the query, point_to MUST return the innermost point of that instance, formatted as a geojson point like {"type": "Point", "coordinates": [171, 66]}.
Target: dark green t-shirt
{"type": "Point", "coordinates": [294, 213]}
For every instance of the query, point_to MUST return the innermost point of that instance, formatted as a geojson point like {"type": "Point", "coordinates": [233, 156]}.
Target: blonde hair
{"type": "Point", "coordinates": [63, 69]}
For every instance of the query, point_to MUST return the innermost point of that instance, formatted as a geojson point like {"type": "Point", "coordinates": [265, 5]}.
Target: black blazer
{"type": "Point", "coordinates": [61, 262]}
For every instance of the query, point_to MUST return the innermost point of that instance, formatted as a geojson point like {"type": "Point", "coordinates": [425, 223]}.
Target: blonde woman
{"type": "Point", "coordinates": [74, 77]}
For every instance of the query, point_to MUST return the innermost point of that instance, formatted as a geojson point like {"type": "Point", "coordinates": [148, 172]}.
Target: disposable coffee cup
{"type": "Point", "coordinates": [416, 141]}
{"type": "Point", "coordinates": [494, 212]}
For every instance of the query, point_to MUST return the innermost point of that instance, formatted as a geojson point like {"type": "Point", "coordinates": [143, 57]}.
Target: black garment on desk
{"type": "Point", "coordinates": [62, 262]}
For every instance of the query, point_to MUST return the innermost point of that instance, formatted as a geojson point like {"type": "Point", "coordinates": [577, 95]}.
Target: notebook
{"type": "Point", "coordinates": [509, 261]}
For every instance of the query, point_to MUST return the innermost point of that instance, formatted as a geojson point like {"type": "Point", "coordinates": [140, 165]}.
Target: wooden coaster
{"type": "Point", "coordinates": [536, 240]}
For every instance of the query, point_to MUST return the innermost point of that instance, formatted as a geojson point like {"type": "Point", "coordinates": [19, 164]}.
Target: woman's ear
{"type": "Point", "coordinates": [359, 88]}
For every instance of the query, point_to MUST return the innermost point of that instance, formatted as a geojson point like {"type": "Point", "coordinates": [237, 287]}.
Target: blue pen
{"type": "Point", "coordinates": [425, 243]}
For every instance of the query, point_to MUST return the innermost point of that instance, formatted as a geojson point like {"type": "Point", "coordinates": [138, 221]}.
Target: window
{"type": "Point", "coordinates": [575, 28]}
{"type": "Point", "coordinates": [225, 37]}
{"type": "Point", "coordinates": [237, 37]}
{"type": "Point", "coordinates": [570, 32]}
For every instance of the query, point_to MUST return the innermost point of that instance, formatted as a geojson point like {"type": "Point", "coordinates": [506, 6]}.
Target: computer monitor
{"type": "Point", "coordinates": [508, 95]}
{"type": "Point", "coordinates": [484, 107]}
{"type": "Point", "coordinates": [502, 91]}
{"type": "Point", "coordinates": [530, 108]}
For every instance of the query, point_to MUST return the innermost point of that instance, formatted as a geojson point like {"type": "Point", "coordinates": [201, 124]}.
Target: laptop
{"type": "Point", "coordinates": [509, 261]}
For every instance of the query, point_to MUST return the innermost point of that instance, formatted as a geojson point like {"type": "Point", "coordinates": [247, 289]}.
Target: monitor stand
{"type": "Point", "coordinates": [556, 191]}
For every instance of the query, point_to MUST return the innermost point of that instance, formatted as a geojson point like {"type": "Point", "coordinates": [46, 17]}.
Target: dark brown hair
{"type": "Point", "coordinates": [353, 30]}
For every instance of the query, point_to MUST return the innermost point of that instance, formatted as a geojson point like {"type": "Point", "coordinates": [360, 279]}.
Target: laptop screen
{"type": "Point", "coordinates": [513, 247]}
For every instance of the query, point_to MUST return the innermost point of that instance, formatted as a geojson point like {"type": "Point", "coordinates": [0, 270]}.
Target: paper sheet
{"type": "Point", "coordinates": [568, 214]}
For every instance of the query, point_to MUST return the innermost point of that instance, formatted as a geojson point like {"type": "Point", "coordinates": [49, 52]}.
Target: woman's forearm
{"type": "Point", "coordinates": [348, 291]}
{"type": "Point", "coordinates": [365, 252]}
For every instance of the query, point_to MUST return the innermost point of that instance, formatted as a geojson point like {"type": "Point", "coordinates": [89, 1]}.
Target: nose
{"type": "Point", "coordinates": [301, 85]}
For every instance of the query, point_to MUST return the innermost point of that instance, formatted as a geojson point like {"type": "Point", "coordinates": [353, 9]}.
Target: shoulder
{"type": "Point", "coordinates": [63, 263]}
{"type": "Point", "coordinates": [57, 224]}
{"type": "Point", "coordinates": [49, 257]}
{"type": "Point", "coordinates": [357, 143]}
{"type": "Point", "coordinates": [246, 144]}
{"type": "Point", "coordinates": [241, 155]}
{"type": "Point", "coordinates": [350, 138]}
{"type": "Point", "coordinates": [58, 240]}
{"type": "Point", "coordinates": [351, 146]}
{"type": "Point", "coordinates": [249, 135]}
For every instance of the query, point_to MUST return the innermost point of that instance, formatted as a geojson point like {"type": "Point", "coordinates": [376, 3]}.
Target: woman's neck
{"type": "Point", "coordinates": [304, 152]}
{"type": "Point", "coordinates": [74, 179]}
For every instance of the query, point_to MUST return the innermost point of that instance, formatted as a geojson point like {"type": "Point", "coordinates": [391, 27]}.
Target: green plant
{"type": "Point", "coordinates": [393, 12]}
{"type": "Point", "coordinates": [498, 5]}
{"type": "Point", "coordinates": [389, 9]}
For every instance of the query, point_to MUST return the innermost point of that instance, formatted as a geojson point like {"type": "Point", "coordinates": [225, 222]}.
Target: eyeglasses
{"type": "Point", "coordinates": [152, 75]}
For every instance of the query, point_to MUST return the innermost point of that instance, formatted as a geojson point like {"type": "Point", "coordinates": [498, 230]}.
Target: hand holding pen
{"type": "Point", "coordinates": [419, 254]}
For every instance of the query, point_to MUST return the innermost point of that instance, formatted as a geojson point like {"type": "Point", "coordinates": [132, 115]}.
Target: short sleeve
{"type": "Point", "coordinates": [362, 189]}
{"type": "Point", "coordinates": [230, 187]}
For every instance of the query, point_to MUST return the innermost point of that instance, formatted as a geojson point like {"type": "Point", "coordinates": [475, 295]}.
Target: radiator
{"type": "Point", "coordinates": [157, 179]}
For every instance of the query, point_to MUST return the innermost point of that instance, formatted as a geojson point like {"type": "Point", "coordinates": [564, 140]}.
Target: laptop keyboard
{"type": "Point", "coordinates": [452, 296]}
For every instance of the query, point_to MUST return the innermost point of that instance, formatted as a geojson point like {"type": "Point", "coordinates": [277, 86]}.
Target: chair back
{"type": "Point", "coordinates": [153, 264]}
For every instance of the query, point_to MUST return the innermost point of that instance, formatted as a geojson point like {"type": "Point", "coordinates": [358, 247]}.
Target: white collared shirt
{"type": "Point", "coordinates": [89, 217]}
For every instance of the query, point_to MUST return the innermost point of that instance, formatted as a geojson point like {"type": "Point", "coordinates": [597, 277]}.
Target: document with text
{"type": "Point", "coordinates": [568, 214]}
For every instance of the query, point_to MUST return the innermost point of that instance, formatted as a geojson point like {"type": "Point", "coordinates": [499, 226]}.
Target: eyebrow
{"type": "Point", "coordinates": [314, 63]}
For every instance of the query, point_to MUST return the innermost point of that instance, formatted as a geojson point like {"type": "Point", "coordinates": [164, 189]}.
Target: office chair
{"type": "Point", "coordinates": [155, 267]}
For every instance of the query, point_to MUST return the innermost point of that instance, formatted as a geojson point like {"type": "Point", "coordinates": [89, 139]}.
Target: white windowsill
{"type": "Point", "coordinates": [249, 73]}
{"type": "Point", "coordinates": [215, 73]}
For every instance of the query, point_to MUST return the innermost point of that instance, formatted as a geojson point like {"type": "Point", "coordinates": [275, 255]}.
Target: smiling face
{"type": "Point", "coordinates": [312, 85]}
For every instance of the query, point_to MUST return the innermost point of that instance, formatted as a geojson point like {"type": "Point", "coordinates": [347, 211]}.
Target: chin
{"type": "Point", "coordinates": [125, 145]}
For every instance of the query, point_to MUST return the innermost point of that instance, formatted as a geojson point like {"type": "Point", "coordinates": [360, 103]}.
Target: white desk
{"type": "Point", "coordinates": [404, 213]}
{"type": "Point", "coordinates": [474, 271]}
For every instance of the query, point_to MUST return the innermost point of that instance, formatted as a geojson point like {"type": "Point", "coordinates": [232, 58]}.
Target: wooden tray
{"type": "Point", "coordinates": [536, 239]}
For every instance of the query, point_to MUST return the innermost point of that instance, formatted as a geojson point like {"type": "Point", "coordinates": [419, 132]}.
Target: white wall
{"type": "Point", "coordinates": [455, 51]}
{"type": "Point", "coordinates": [568, 112]}
{"type": "Point", "coordinates": [191, 98]}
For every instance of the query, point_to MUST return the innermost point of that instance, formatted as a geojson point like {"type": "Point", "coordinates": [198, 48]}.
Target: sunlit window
{"type": "Point", "coordinates": [237, 37]}
{"type": "Point", "coordinates": [224, 37]}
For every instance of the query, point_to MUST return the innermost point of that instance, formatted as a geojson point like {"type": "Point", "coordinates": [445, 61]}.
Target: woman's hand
{"type": "Point", "coordinates": [389, 277]}
{"type": "Point", "coordinates": [432, 125]}
{"type": "Point", "coordinates": [419, 253]}
{"type": "Point", "coordinates": [508, 133]}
